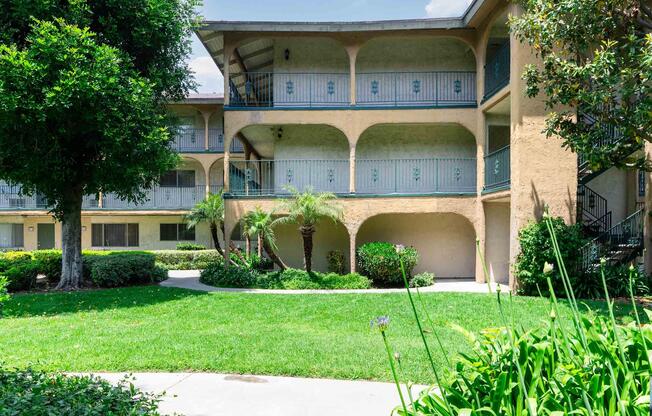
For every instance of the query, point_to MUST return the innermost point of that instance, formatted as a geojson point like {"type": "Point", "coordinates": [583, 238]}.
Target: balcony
{"type": "Point", "coordinates": [496, 71]}
{"type": "Point", "coordinates": [373, 89]}
{"type": "Point", "coordinates": [497, 170]}
{"type": "Point", "coordinates": [372, 177]}
{"type": "Point", "coordinates": [193, 140]}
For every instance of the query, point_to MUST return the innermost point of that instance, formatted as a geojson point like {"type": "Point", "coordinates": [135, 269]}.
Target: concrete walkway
{"type": "Point", "coordinates": [189, 279]}
{"type": "Point", "coordinates": [194, 394]}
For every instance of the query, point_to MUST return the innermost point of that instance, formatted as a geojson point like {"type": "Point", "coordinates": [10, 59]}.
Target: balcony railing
{"type": "Point", "coordinates": [377, 89]}
{"type": "Point", "coordinates": [278, 89]}
{"type": "Point", "coordinates": [496, 71]}
{"type": "Point", "coordinates": [497, 169]}
{"type": "Point", "coordinates": [192, 140]}
{"type": "Point", "coordinates": [394, 89]}
{"type": "Point", "coordinates": [415, 176]}
{"type": "Point", "coordinates": [160, 197]}
{"type": "Point", "coordinates": [11, 198]}
{"type": "Point", "coordinates": [373, 177]}
{"type": "Point", "coordinates": [273, 177]}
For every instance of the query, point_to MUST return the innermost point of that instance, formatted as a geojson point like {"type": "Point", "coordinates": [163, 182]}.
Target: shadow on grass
{"type": "Point", "coordinates": [57, 303]}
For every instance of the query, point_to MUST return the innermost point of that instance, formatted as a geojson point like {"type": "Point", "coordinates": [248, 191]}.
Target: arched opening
{"type": "Point", "coordinates": [416, 159]}
{"type": "Point", "coordinates": [216, 176]}
{"type": "Point", "coordinates": [280, 72]}
{"type": "Point", "coordinates": [190, 132]}
{"type": "Point", "coordinates": [445, 241]}
{"type": "Point", "coordinates": [299, 156]}
{"type": "Point", "coordinates": [497, 57]}
{"type": "Point", "coordinates": [424, 70]}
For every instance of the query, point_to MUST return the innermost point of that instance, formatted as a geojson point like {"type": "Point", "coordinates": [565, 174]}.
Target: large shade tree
{"type": "Point", "coordinates": [82, 95]}
{"type": "Point", "coordinates": [597, 68]}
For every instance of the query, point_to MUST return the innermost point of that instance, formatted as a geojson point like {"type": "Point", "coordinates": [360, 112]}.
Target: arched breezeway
{"type": "Point", "coordinates": [445, 241]}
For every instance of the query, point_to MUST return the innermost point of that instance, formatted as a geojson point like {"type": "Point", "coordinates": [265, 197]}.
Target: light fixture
{"type": "Point", "coordinates": [279, 132]}
{"type": "Point", "coordinates": [83, 228]}
{"type": "Point", "coordinates": [30, 228]}
{"type": "Point", "coordinates": [287, 54]}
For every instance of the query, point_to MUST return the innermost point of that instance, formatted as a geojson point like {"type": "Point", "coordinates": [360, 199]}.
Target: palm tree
{"type": "Point", "coordinates": [260, 224]}
{"type": "Point", "coordinates": [210, 210]}
{"type": "Point", "coordinates": [307, 209]}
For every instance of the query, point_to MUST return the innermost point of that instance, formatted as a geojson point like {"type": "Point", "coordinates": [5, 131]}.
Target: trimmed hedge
{"type": "Point", "coordinates": [49, 264]}
{"type": "Point", "coordinates": [20, 269]}
{"type": "Point", "coordinates": [124, 269]}
{"type": "Point", "coordinates": [36, 393]}
{"type": "Point", "coordinates": [380, 262]}
{"type": "Point", "coordinates": [190, 246]}
{"type": "Point", "coordinates": [187, 259]}
{"type": "Point", "coordinates": [218, 275]}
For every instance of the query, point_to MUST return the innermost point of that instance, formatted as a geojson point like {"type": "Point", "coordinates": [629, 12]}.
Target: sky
{"type": "Point", "coordinates": [210, 78]}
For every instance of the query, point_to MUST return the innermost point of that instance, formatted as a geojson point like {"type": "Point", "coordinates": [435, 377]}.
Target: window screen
{"type": "Point", "coordinates": [178, 178]}
{"type": "Point", "coordinates": [185, 233]}
{"type": "Point", "coordinates": [168, 232]}
{"type": "Point", "coordinates": [177, 232]}
{"type": "Point", "coordinates": [114, 235]}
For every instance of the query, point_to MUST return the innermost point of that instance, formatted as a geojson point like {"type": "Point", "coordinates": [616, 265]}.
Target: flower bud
{"type": "Point", "coordinates": [548, 268]}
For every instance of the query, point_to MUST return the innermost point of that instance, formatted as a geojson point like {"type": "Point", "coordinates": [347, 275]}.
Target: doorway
{"type": "Point", "coordinates": [45, 236]}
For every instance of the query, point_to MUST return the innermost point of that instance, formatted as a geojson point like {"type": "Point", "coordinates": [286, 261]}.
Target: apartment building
{"type": "Point", "coordinates": [420, 127]}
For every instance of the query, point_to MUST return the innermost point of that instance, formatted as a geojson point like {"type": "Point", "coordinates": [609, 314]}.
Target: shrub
{"type": "Point", "coordinates": [293, 279]}
{"type": "Point", "coordinates": [186, 259]}
{"type": "Point", "coordinates": [381, 262]}
{"type": "Point", "coordinates": [218, 275]}
{"type": "Point", "coordinates": [336, 261]}
{"type": "Point", "coordinates": [589, 285]}
{"type": "Point", "coordinates": [125, 268]}
{"type": "Point", "coordinates": [50, 264]}
{"type": "Point", "coordinates": [261, 264]}
{"type": "Point", "coordinates": [35, 393]}
{"type": "Point", "coordinates": [4, 293]}
{"type": "Point", "coordinates": [9, 259]}
{"type": "Point", "coordinates": [422, 280]}
{"type": "Point", "coordinates": [536, 249]}
{"type": "Point", "coordinates": [22, 276]}
{"type": "Point", "coordinates": [190, 247]}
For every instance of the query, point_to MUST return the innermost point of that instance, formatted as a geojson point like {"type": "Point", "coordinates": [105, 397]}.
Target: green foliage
{"type": "Point", "coordinates": [537, 249]}
{"type": "Point", "coordinates": [210, 211]}
{"type": "Point", "coordinates": [190, 247]}
{"type": "Point", "coordinates": [597, 58]}
{"type": "Point", "coordinates": [218, 275]}
{"type": "Point", "coordinates": [423, 280]}
{"type": "Point", "coordinates": [78, 119]}
{"type": "Point", "coordinates": [336, 261]}
{"type": "Point", "coordinates": [187, 260]}
{"type": "Point", "coordinates": [589, 285]}
{"type": "Point", "coordinates": [258, 224]}
{"type": "Point", "coordinates": [293, 279]}
{"type": "Point", "coordinates": [4, 293]}
{"type": "Point", "coordinates": [22, 276]}
{"type": "Point", "coordinates": [36, 393]}
{"type": "Point", "coordinates": [49, 264]}
{"type": "Point", "coordinates": [380, 262]}
{"type": "Point", "coordinates": [125, 268]}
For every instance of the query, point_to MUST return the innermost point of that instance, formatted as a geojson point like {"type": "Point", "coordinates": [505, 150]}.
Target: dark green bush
{"type": "Point", "coordinates": [381, 262]}
{"type": "Point", "coordinates": [125, 268]}
{"type": "Point", "coordinates": [35, 393]}
{"type": "Point", "coordinates": [218, 275]}
{"type": "Point", "coordinates": [9, 259]}
{"type": "Point", "coordinates": [423, 280]}
{"type": "Point", "coordinates": [336, 261]}
{"type": "Point", "coordinates": [536, 249]}
{"type": "Point", "coordinates": [22, 276]}
{"type": "Point", "coordinates": [50, 264]}
{"type": "Point", "coordinates": [589, 285]}
{"type": "Point", "coordinates": [190, 247]}
{"type": "Point", "coordinates": [187, 259]}
{"type": "Point", "coordinates": [293, 279]}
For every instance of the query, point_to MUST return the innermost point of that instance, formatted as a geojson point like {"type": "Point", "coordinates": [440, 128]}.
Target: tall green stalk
{"type": "Point", "coordinates": [393, 368]}
{"type": "Point", "coordinates": [432, 328]}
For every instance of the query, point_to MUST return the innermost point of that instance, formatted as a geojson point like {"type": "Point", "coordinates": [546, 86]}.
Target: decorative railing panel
{"type": "Point", "coordinates": [393, 89]}
{"type": "Point", "coordinates": [192, 140]}
{"type": "Point", "coordinates": [496, 71]}
{"type": "Point", "coordinates": [497, 169]}
{"type": "Point", "coordinates": [160, 197]}
{"type": "Point", "coordinates": [279, 89]}
{"type": "Point", "coordinates": [415, 176]}
{"type": "Point", "coordinates": [274, 177]}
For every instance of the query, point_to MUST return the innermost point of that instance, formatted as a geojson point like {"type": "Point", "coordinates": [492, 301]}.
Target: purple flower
{"type": "Point", "coordinates": [381, 322]}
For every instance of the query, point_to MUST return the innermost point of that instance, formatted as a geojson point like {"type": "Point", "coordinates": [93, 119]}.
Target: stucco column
{"type": "Point", "coordinates": [647, 223]}
{"type": "Point", "coordinates": [100, 201]}
{"type": "Point", "coordinates": [352, 170]}
{"type": "Point", "coordinates": [227, 181]}
{"type": "Point", "coordinates": [206, 115]}
{"type": "Point", "coordinates": [207, 175]}
{"type": "Point", "coordinates": [352, 242]}
{"type": "Point", "coordinates": [353, 54]}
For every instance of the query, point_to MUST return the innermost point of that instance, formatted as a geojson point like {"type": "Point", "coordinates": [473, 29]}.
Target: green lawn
{"type": "Point", "coordinates": [164, 329]}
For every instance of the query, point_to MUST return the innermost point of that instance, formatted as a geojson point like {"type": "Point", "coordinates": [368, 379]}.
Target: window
{"type": "Point", "coordinates": [11, 235]}
{"type": "Point", "coordinates": [178, 178]}
{"type": "Point", "coordinates": [114, 235]}
{"type": "Point", "coordinates": [177, 232]}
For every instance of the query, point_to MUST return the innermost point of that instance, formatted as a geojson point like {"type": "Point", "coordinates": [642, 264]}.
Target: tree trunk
{"type": "Point", "coordinates": [247, 247]}
{"type": "Point", "coordinates": [306, 233]}
{"type": "Point", "coordinates": [272, 255]}
{"type": "Point", "coordinates": [216, 239]}
{"type": "Point", "coordinates": [71, 261]}
{"type": "Point", "coordinates": [260, 246]}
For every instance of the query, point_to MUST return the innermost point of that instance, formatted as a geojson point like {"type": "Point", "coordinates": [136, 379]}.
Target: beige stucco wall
{"type": "Point", "coordinates": [329, 236]}
{"type": "Point", "coordinates": [497, 240]}
{"type": "Point", "coordinates": [445, 242]}
{"type": "Point", "coordinates": [310, 55]}
{"type": "Point", "coordinates": [311, 142]}
{"type": "Point", "coordinates": [613, 185]}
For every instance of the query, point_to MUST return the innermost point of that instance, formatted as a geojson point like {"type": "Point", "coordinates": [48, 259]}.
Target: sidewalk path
{"type": "Point", "coordinates": [189, 279]}
{"type": "Point", "coordinates": [194, 394]}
